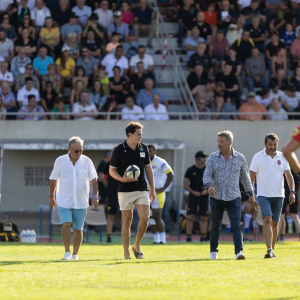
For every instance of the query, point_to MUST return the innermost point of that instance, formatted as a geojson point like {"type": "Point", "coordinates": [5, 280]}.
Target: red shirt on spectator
{"type": "Point", "coordinates": [210, 19]}
{"type": "Point", "coordinates": [219, 49]}
{"type": "Point", "coordinates": [127, 17]}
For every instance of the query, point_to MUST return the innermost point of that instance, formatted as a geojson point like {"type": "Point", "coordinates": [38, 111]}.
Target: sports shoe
{"type": "Point", "coordinates": [188, 239]}
{"type": "Point", "coordinates": [273, 254]}
{"type": "Point", "coordinates": [247, 230]}
{"type": "Point", "coordinates": [282, 239]}
{"type": "Point", "coordinates": [213, 255]}
{"type": "Point", "coordinates": [269, 254]}
{"type": "Point", "coordinates": [203, 239]}
{"type": "Point", "coordinates": [67, 256]}
{"type": "Point", "coordinates": [75, 257]}
{"type": "Point", "coordinates": [163, 243]}
{"type": "Point", "coordinates": [108, 240]}
{"type": "Point", "coordinates": [155, 243]}
{"type": "Point", "coordinates": [240, 255]}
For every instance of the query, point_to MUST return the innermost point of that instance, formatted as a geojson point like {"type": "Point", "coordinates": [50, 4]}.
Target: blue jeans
{"type": "Point", "coordinates": [166, 213]}
{"type": "Point", "coordinates": [250, 83]}
{"type": "Point", "coordinates": [233, 208]}
{"type": "Point", "coordinates": [181, 31]}
{"type": "Point", "coordinates": [271, 206]}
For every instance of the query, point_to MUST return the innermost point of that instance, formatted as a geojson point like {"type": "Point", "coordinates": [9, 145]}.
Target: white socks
{"type": "Point", "coordinates": [162, 236]}
{"type": "Point", "coordinates": [156, 237]}
{"type": "Point", "coordinates": [247, 219]}
{"type": "Point", "coordinates": [159, 237]}
{"type": "Point", "coordinates": [254, 224]}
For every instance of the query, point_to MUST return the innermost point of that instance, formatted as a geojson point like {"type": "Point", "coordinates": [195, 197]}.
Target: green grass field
{"type": "Point", "coordinates": [174, 271]}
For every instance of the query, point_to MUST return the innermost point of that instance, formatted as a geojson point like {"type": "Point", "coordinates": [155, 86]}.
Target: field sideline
{"type": "Point", "coordinates": [175, 271]}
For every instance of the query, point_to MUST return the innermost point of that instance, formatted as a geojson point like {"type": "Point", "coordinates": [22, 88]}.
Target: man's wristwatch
{"type": "Point", "coordinates": [293, 192]}
{"type": "Point", "coordinates": [97, 197]}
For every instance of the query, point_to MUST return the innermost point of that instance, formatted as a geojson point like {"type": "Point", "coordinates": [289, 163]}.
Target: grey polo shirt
{"type": "Point", "coordinates": [89, 65]}
{"type": "Point", "coordinates": [66, 29]}
{"type": "Point", "coordinates": [6, 47]}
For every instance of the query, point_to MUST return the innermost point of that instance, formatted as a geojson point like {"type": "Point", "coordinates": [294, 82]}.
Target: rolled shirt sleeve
{"type": "Point", "coordinates": [55, 172]}
{"type": "Point", "coordinates": [91, 170]}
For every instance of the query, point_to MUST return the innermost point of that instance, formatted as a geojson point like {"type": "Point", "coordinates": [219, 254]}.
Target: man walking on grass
{"type": "Point", "coordinates": [224, 169]}
{"type": "Point", "coordinates": [268, 167]}
{"type": "Point", "coordinates": [71, 178]}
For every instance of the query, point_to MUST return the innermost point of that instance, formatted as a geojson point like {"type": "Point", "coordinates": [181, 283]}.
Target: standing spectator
{"type": "Point", "coordinates": [257, 32]}
{"type": "Point", "coordinates": [144, 20]}
{"type": "Point", "coordinates": [118, 26]}
{"type": "Point", "coordinates": [276, 112]}
{"type": "Point", "coordinates": [156, 107]}
{"type": "Point", "coordinates": [80, 75]}
{"type": "Point", "coordinates": [252, 10]}
{"type": "Point", "coordinates": [146, 59]}
{"type": "Point", "coordinates": [295, 80]}
{"type": "Point", "coordinates": [205, 92]}
{"type": "Point", "coordinates": [59, 107]}
{"type": "Point", "coordinates": [295, 50]}
{"type": "Point", "coordinates": [20, 79]}
{"type": "Point", "coordinates": [31, 107]}
{"type": "Point", "coordinates": [210, 16]}
{"type": "Point", "coordinates": [127, 15]}
{"type": "Point", "coordinates": [26, 22]}
{"type": "Point", "coordinates": [62, 14]}
{"type": "Point", "coordinates": [235, 31]}
{"type": "Point", "coordinates": [243, 46]}
{"type": "Point", "coordinates": [204, 28]}
{"type": "Point", "coordinates": [8, 97]}
{"type": "Point", "coordinates": [88, 62]}
{"type": "Point", "coordinates": [72, 44]}
{"type": "Point", "coordinates": [83, 12]}
{"type": "Point", "coordinates": [197, 77]}
{"type": "Point", "coordinates": [218, 48]}
{"type": "Point", "coordinates": [115, 39]}
{"type": "Point", "coordinates": [6, 47]}
{"type": "Point", "coordinates": [201, 57]}
{"type": "Point", "coordinates": [48, 96]}
{"type": "Point", "coordinates": [138, 78]}
{"type": "Point", "coordinates": [53, 77]}
{"type": "Point", "coordinates": [281, 79]}
{"type": "Point", "coordinates": [80, 108]}
{"type": "Point", "coordinates": [131, 45]}
{"type": "Point", "coordinates": [8, 28]}
{"type": "Point", "coordinates": [41, 62]}
{"type": "Point", "coordinates": [226, 16]}
{"type": "Point", "coordinates": [105, 15]}
{"type": "Point", "coordinates": [131, 111]}
{"type": "Point", "coordinates": [192, 42]}
{"type": "Point", "coordinates": [92, 45]}
{"type": "Point", "coordinates": [255, 70]}
{"type": "Point", "coordinates": [115, 59]}
{"type": "Point", "coordinates": [220, 106]}
{"type": "Point", "coordinates": [26, 43]}
{"type": "Point", "coordinates": [97, 95]}
{"type": "Point", "coordinates": [25, 91]}
{"type": "Point", "coordinates": [19, 62]}
{"type": "Point", "coordinates": [39, 14]}
{"type": "Point", "coordinates": [5, 75]}
{"type": "Point", "coordinates": [69, 27]}
{"type": "Point", "coordinates": [97, 28]}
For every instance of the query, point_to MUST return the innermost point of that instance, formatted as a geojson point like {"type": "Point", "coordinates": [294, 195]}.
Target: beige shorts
{"type": "Point", "coordinates": [128, 200]}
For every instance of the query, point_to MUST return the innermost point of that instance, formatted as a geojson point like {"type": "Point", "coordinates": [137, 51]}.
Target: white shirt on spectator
{"type": "Point", "coordinates": [278, 116]}
{"type": "Point", "coordinates": [109, 62]}
{"type": "Point", "coordinates": [6, 47]}
{"type": "Point", "coordinates": [23, 95]}
{"type": "Point", "coordinates": [30, 4]}
{"type": "Point", "coordinates": [8, 76]}
{"type": "Point", "coordinates": [73, 181]}
{"type": "Point", "coordinates": [147, 61]}
{"type": "Point", "coordinates": [39, 15]}
{"type": "Point", "coordinates": [105, 17]}
{"type": "Point", "coordinates": [4, 4]}
{"type": "Point", "coordinates": [138, 113]}
{"type": "Point", "coordinates": [244, 3]}
{"type": "Point", "coordinates": [293, 102]}
{"type": "Point", "coordinates": [78, 108]}
{"type": "Point", "coordinates": [83, 14]}
{"type": "Point", "coordinates": [156, 117]}
{"type": "Point", "coordinates": [264, 102]}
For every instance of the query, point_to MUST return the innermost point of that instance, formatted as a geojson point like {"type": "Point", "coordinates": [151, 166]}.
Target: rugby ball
{"type": "Point", "coordinates": [133, 171]}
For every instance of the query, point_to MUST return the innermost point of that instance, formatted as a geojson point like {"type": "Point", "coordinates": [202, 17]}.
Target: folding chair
{"type": "Point", "coordinates": [259, 220]}
{"type": "Point", "coordinates": [53, 220]}
{"type": "Point", "coordinates": [94, 217]}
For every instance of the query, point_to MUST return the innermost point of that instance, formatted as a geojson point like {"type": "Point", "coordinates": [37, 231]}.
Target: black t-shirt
{"type": "Point", "coordinates": [122, 157]}
{"type": "Point", "coordinates": [92, 46]}
{"type": "Point", "coordinates": [286, 186]}
{"type": "Point", "coordinates": [234, 64]}
{"type": "Point", "coordinates": [246, 11]}
{"type": "Point", "coordinates": [284, 84]}
{"type": "Point", "coordinates": [295, 83]}
{"type": "Point", "coordinates": [229, 80]}
{"type": "Point", "coordinates": [193, 80]}
{"type": "Point", "coordinates": [283, 14]}
{"type": "Point", "coordinates": [102, 188]}
{"type": "Point", "coordinates": [257, 33]}
{"type": "Point", "coordinates": [137, 81]}
{"type": "Point", "coordinates": [61, 17]}
{"type": "Point", "coordinates": [186, 16]}
{"type": "Point", "coordinates": [49, 101]}
{"type": "Point", "coordinates": [204, 29]}
{"type": "Point", "coordinates": [20, 42]}
{"type": "Point", "coordinates": [243, 49]}
{"type": "Point", "coordinates": [204, 61]}
{"type": "Point", "coordinates": [112, 184]}
{"type": "Point", "coordinates": [272, 49]}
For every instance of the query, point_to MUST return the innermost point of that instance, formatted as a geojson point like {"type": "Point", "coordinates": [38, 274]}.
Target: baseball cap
{"type": "Point", "coordinates": [252, 94]}
{"type": "Point", "coordinates": [65, 48]}
{"type": "Point", "coordinates": [131, 32]}
{"type": "Point", "coordinates": [117, 13]}
{"type": "Point", "coordinates": [73, 15]}
{"type": "Point", "coordinates": [200, 154]}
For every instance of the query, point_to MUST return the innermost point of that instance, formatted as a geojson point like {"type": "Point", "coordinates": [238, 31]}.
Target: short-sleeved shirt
{"type": "Point", "coordinates": [204, 61]}
{"type": "Point", "coordinates": [219, 49]}
{"type": "Point", "coordinates": [269, 173]}
{"type": "Point", "coordinates": [122, 157]}
{"type": "Point", "coordinates": [68, 66]}
{"type": "Point", "coordinates": [61, 17]}
{"type": "Point", "coordinates": [41, 65]}
{"type": "Point", "coordinates": [190, 41]}
{"type": "Point", "coordinates": [89, 65]}
{"type": "Point", "coordinates": [110, 61]}
{"type": "Point", "coordinates": [195, 176]}
{"type": "Point", "coordinates": [273, 49]}
{"type": "Point", "coordinates": [247, 108]}
{"type": "Point", "coordinates": [67, 29]}
{"type": "Point", "coordinates": [6, 47]}
{"type": "Point", "coordinates": [193, 80]}
{"type": "Point", "coordinates": [255, 66]}
{"type": "Point", "coordinates": [50, 37]}
{"type": "Point", "coordinates": [226, 107]}
{"type": "Point", "coordinates": [83, 13]}
{"type": "Point", "coordinates": [283, 14]}
{"type": "Point", "coordinates": [288, 38]}
{"type": "Point", "coordinates": [23, 95]}
{"type": "Point", "coordinates": [186, 16]}
{"type": "Point", "coordinates": [204, 29]}
{"type": "Point", "coordinates": [147, 61]}
{"type": "Point", "coordinates": [94, 46]}
{"type": "Point", "coordinates": [123, 29]}
{"type": "Point", "coordinates": [144, 17]}
{"type": "Point", "coordinates": [257, 33]}
{"type": "Point", "coordinates": [234, 64]}
{"type": "Point", "coordinates": [144, 99]}
{"type": "Point", "coordinates": [229, 80]}
{"type": "Point", "coordinates": [112, 184]}
{"type": "Point", "coordinates": [137, 81]}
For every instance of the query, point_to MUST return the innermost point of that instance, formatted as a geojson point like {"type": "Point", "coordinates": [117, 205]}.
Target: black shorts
{"type": "Point", "coordinates": [194, 203]}
{"type": "Point", "coordinates": [293, 207]}
{"type": "Point", "coordinates": [112, 204]}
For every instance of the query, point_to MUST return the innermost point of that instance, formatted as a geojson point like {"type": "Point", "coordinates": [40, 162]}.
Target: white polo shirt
{"type": "Point", "coordinates": [8, 76]}
{"type": "Point", "coordinates": [83, 13]}
{"type": "Point", "coordinates": [39, 15]}
{"type": "Point", "coordinates": [73, 181]}
{"type": "Point", "coordinates": [147, 61]}
{"type": "Point", "coordinates": [109, 62]}
{"type": "Point", "coordinates": [23, 95]}
{"type": "Point", "coordinates": [269, 173]}
{"type": "Point", "coordinates": [159, 117]}
{"type": "Point", "coordinates": [137, 110]}
{"type": "Point", "coordinates": [78, 108]}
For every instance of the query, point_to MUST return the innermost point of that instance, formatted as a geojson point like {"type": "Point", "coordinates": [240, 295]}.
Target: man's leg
{"type": "Point", "coordinates": [203, 227]}
{"type": "Point", "coordinates": [180, 34]}
{"type": "Point", "coordinates": [203, 211]}
{"type": "Point", "coordinates": [112, 210]}
{"type": "Point", "coordinates": [78, 217]}
{"type": "Point", "coordinates": [109, 225]}
{"type": "Point", "coordinates": [77, 239]}
{"type": "Point", "coordinates": [160, 225]}
{"type": "Point", "coordinates": [166, 213]}
{"type": "Point", "coordinates": [189, 225]}
{"type": "Point", "coordinates": [152, 30]}
{"type": "Point", "coordinates": [267, 231]}
{"type": "Point", "coordinates": [296, 221]}
{"type": "Point", "coordinates": [250, 84]}
{"type": "Point", "coordinates": [136, 28]}
{"type": "Point", "coordinates": [282, 226]}
{"type": "Point", "coordinates": [66, 235]}
{"type": "Point", "coordinates": [276, 205]}
{"type": "Point", "coordinates": [274, 233]}
{"type": "Point", "coordinates": [264, 83]}
{"type": "Point", "coordinates": [126, 224]}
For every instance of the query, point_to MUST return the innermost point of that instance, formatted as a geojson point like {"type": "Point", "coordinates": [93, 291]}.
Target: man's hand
{"type": "Point", "coordinates": [196, 194]}
{"type": "Point", "coordinates": [152, 196]}
{"type": "Point", "coordinates": [143, 27]}
{"type": "Point", "coordinates": [95, 202]}
{"type": "Point", "coordinates": [252, 203]}
{"type": "Point", "coordinates": [52, 203]}
{"type": "Point", "coordinates": [257, 79]}
{"type": "Point", "coordinates": [291, 198]}
{"type": "Point", "coordinates": [212, 191]}
{"type": "Point", "coordinates": [127, 179]}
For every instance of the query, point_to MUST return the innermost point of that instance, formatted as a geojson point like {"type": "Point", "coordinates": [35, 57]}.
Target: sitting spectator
{"type": "Point", "coordinates": [231, 83]}
{"type": "Point", "coordinates": [104, 81]}
{"type": "Point", "coordinates": [275, 92]}
{"type": "Point", "coordinates": [272, 48]}
{"type": "Point", "coordinates": [291, 100]}
{"type": "Point", "coordinates": [48, 96]}
{"type": "Point", "coordinates": [26, 43]}
{"type": "Point", "coordinates": [20, 12]}
{"type": "Point", "coordinates": [26, 22]}
{"type": "Point", "coordinates": [279, 61]}
{"type": "Point", "coordinates": [119, 27]}
{"type": "Point", "coordinates": [191, 42]}
{"type": "Point", "coordinates": [257, 32]}
{"type": "Point", "coordinates": [53, 77]}
{"type": "Point", "coordinates": [295, 50]}
{"type": "Point", "coordinates": [204, 109]}
{"type": "Point", "coordinates": [130, 47]}
{"type": "Point", "coordinates": [210, 16]}
{"type": "Point", "coordinates": [123, 94]}
{"type": "Point", "coordinates": [111, 107]}
{"type": "Point", "coordinates": [197, 77]}
{"type": "Point", "coordinates": [97, 95]}
{"type": "Point", "coordinates": [218, 48]}
{"type": "Point", "coordinates": [281, 79]}
{"type": "Point", "coordinates": [88, 62]}
{"type": "Point", "coordinates": [156, 107]}
{"type": "Point", "coordinates": [25, 91]}
{"type": "Point", "coordinates": [295, 80]}
{"type": "Point", "coordinates": [277, 113]}
{"type": "Point", "coordinates": [92, 45]}
{"type": "Point", "coordinates": [20, 80]}
{"type": "Point", "coordinates": [252, 10]}
{"type": "Point", "coordinates": [252, 106]}
{"type": "Point", "coordinates": [226, 16]}
{"type": "Point", "coordinates": [41, 62]}
{"type": "Point", "coordinates": [39, 14]}
{"type": "Point", "coordinates": [65, 66]}
{"type": "Point", "coordinates": [204, 28]}
{"type": "Point", "coordinates": [263, 97]}
{"type": "Point", "coordinates": [205, 92]}
{"type": "Point", "coordinates": [115, 59]}
{"type": "Point", "coordinates": [61, 15]}
{"type": "Point", "coordinates": [6, 47]}
{"type": "Point", "coordinates": [115, 39]}
{"type": "Point", "coordinates": [31, 107]}
{"type": "Point", "coordinates": [220, 90]}
{"type": "Point", "coordinates": [72, 44]}
{"type": "Point", "coordinates": [146, 59]}
{"type": "Point", "coordinates": [6, 6]}
{"type": "Point", "coordinates": [127, 15]}
{"type": "Point", "coordinates": [80, 75]}
{"type": "Point", "coordinates": [222, 107]}
{"type": "Point", "coordinates": [83, 106]}
{"type": "Point", "coordinates": [144, 20]}
{"type": "Point", "coordinates": [295, 4]}
{"type": "Point", "coordinates": [255, 70]}
{"type": "Point", "coordinates": [50, 38]}
{"type": "Point", "coordinates": [8, 28]}
{"type": "Point", "coordinates": [116, 82]}
{"type": "Point", "coordinates": [19, 62]}
{"type": "Point", "coordinates": [8, 97]}
{"type": "Point", "coordinates": [98, 29]}
{"type": "Point", "coordinates": [297, 117]}
{"type": "Point", "coordinates": [288, 36]}
{"type": "Point", "coordinates": [5, 75]}
{"type": "Point", "coordinates": [235, 31]}
{"type": "Point", "coordinates": [243, 46]}
{"type": "Point", "coordinates": [138, 79]}
{"type": "Point", "coordinates": [105, 15]}
{"type": "Point", "coordinates": [2, 109]}
{"type": "Point", "coordinates": [60, 108]}
{"type": "Point", "coordinates": [69, 27]}
{"type": "Point", "coordinates": [144, 96]}
{"type": "Point", "coordinates": [201, 58]}
{"type": "Point", "coordinates": [75, 92]}
{"type": "Point", "coordinates": [82, 11]}
{"type": "Point", "coordinates": [131, 111]}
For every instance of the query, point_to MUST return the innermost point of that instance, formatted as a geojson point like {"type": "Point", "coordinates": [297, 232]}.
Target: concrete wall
{"type": "Point", "coordinates": [198, 135]}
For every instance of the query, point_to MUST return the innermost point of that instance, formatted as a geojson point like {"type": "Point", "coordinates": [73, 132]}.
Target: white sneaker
{"type": "Point", "coordinates": [75, 257]}
{"type": "Point", "coordinates": [240, 255]}
{"type": "Point", "coordinates": [67, 256]}
{"type": "Point", "coordinates": [213, 255]}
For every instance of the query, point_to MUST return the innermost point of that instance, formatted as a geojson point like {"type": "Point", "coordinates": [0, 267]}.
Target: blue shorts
{"type": "Point", "coordinates": [271, 206]}
{"type": "Point", "coordinates": [72, 215]}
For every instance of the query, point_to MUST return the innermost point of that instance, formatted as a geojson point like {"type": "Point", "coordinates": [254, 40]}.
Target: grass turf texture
{"type": "Point", "coordinates": [174, 271]}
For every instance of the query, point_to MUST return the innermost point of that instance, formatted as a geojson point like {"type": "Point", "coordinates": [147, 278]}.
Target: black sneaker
{"type": "Point", "coordinates": [162, 243]}
{"type": "Point", "coordinates": [188, 239]}
{"type": "Point", "coordinates": [108, 240]}
{"type": "Point", "coordinates": [269, 254]}
{"type": "Point", "coordinates": [155, 243]}
{"type": "Point", "coordinates": [203, 239]}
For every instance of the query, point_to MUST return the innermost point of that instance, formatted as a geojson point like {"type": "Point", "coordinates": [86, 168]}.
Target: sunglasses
{"type": "Point", "coordinates": [77, 151]}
